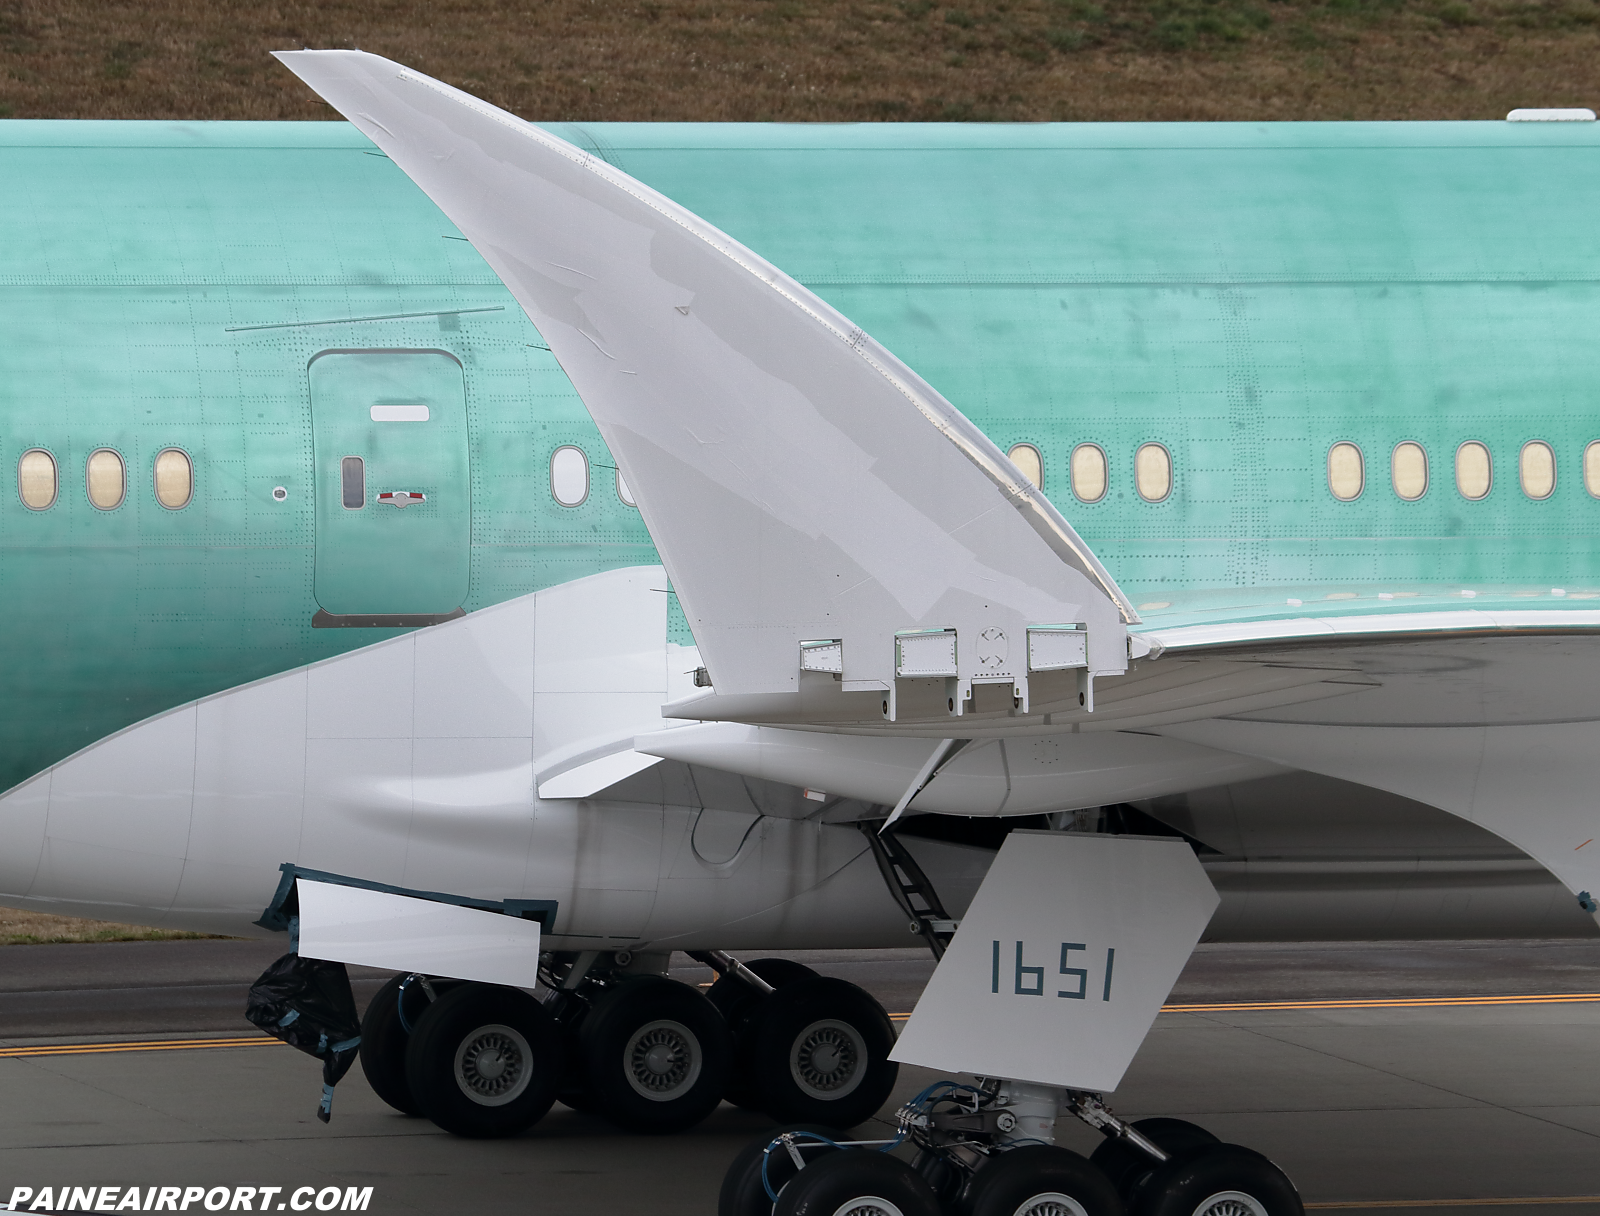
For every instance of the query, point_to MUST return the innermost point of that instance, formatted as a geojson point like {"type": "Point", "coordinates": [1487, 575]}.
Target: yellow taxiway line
{"type": "Point", "coordinates": [1421, 1002]}
{"type": "Point", "coordinates": [1532, 1201]}
{"type": "Point", "coordinates": [1426, 1002]}
{"type": "Point", "coordinates": [91, 1049]}
{"type": "Point", "coordinates": [1440, 1002]}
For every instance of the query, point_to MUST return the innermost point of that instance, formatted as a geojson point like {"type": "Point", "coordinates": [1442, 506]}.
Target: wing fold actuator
{"type": "Point", "coordinates": [824, 514]}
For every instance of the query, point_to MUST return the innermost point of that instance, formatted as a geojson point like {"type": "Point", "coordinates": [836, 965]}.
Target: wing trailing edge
{"type": "Point", "coordinates": [825, 515]}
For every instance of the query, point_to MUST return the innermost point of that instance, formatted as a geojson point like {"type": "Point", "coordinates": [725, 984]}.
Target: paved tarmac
{"type": "Point", "coordinates": [1390, 1107]}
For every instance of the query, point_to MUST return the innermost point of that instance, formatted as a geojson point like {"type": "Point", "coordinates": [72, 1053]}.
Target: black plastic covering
{"type": "Point", "coordinates": [308, 1004]}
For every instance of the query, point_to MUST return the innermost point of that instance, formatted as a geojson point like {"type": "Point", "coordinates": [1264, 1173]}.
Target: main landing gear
{"type": "Point", "coordinates": [987, 1150]}
{"type": "Point", "coordinates": [614, 1037]}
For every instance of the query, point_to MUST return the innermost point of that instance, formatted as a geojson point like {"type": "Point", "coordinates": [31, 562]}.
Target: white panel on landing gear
{"type": "Point", "coordinates": [1063, 960]}
{"type": "Point", "coordinates": [400, 933]}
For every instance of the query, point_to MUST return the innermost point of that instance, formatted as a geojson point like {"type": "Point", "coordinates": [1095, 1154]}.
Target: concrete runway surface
{"type": "Point", "coordinates": [1399, 1106]}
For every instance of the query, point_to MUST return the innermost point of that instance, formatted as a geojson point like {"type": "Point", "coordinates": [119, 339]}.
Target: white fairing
{"type": "Point", "coordinates": [799, 481]}
{"type": "Point", "coordinates": [1067, 952]}
{"type": "Point", "coordinates": [398, 933]}
{"type": "Point", "coordinates": [1017, 776]}
{"type": "Point", "coordinates": [412, 763]}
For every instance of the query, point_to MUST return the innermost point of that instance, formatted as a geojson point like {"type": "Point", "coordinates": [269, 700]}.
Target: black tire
{"type": "Point", "coordinates": [656, 1055]}
{"type": "Point", "coordinates": [1022, 1181]}
{"type": "Point", "coordinates": [744, 1192]}
{"type": "Point", "coordinates": [849, 1180]}
{"type": "Point", "coordinates": [484, 1061]}
{"type": "Point", "coordinates": [1127, 1166]}
{"type": "Point", "coordinates": [741, 1007]}
{"type": "Point", "coordinates": [821, 1054]}
{"type": "Point", "coordinates": [383, 1047]}
{"type": "Point", "coordinates": [1206, 1181]}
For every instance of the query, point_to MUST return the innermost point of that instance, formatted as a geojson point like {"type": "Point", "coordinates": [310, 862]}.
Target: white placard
{"type": "Point", "coordinates": [401, 933]}
{"type": "Point", "coordinates": [1062, 962]}
{"type": "Point", "coordinates": [399, 413]}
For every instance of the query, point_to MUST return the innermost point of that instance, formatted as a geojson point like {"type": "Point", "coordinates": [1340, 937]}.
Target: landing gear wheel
{"type": "Point", "coordinates": [857, 1182]}
{"type": "Point", "coordinates": [744, 1192]}
{"type": "Point", "coordinates": [383, 1041]}
{"type": "Point", "coordinates": [1127, 1165]}
{"type": "Point", "coordinates": [1041, 1180]}
{"type": "Point", "coordinates": [821, 1054]}
{"type": "Point", "coordinates": [1217, 1180]}
{"type": "Point", "coordinates": [656, 1055]}
{"type": "Point", "coordinates": [484, 1061]}
{"type": "Point", "coordinates": [741, 1007]}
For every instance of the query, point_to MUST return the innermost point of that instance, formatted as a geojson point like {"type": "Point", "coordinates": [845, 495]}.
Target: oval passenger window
{"type": "Point", "coordinates": [569, 476]}
{"type": "Point", "coordinates": [1347, 474]}
{"type": "Point", "coordinates": [174, 479]}
{"type": "Point", "coordinates": [106, 479]}
{"type": "Point", "coordinates": [1409, 468]}
{"type": "Point", "coordinates": [1538, 469]}
{"type": "Point", "coordinates": [1474, 472]}
{"type": "Point", "coordinates": [36, 479]}
{"type": "Point", "coordinates": [1591, 469]}
{"type": "Point", "coordinates": [624, 491]}
{"type": "Point", "coordinates": [1152, 472]}
{"type": "Point", "coordinates": [1089, 472]}
{"type": "Point", "coordinates": [1026, 457]}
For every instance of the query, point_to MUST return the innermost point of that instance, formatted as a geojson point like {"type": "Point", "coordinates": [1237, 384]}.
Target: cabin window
{"type": "Point", "coordinates": [1026, 457]}
{"type": "Point", "coordinates": [569, 476]}
{"type": "Point", "coordinates": [106, 479]}
{"type": "Point", "coordinates": [353, 483]}
{"type": "Point", "coordinates": [1474, 470]}
{"type": "Point", "coordinates": [1152, 472]}
{"type": "Point", "coordinates": [36, 479]}
{"type": "Point", "coordinates": [1591, 469]}
{"type": "Point", "coordinates": [624, 490]}
{"type": "Point", "coordinates": [174, 479]}
{"type": "Point", "coordinates": [1537, 468]}
{"type": "Point", "coordinates": [1089, 469]}
{"type": "Point", "coordinates": [1347, 472]}
{"type": "Point", "coordinates": [1408, 467]}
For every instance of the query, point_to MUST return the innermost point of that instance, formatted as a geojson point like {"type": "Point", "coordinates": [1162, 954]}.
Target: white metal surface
{"type": "Point", "coordinates": [854, 503]}
{"type": "Point", "coordinates": [1063, 960]}
{"type": "Point", "coordinates": [399, 413]}
{"type": "Point", "coordinates": [400, 933]}
{"type": "Point", "coordinates": [589, 779]}
{"type": "Point", "coordinates": [1016, 776]}
{"type": "Point", "coordinates": [1570, 114]}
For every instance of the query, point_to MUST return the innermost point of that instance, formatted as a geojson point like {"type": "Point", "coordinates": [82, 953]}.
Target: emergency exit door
{"type": "Point", "coordinates": [393, 510]}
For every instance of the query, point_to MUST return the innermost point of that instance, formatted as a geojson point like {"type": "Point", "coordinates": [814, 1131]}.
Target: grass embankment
{"type": "Point", "coordinates": [822, 60]}
{"type": "Point", "coordinates": [39, 928]}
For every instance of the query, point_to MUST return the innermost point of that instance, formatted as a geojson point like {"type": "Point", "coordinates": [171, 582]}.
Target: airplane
{"type": "Point", "coordinates": [448, 540]}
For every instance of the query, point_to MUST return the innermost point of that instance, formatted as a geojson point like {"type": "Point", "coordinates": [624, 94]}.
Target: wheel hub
{"type": "Point", "coordinates": [1230, 1203]}
{"type": "Point", "coordinates": [662, 1060]}
{"type": "Point", "coordinates": [828, 1059]}
{"type": "Point", "coordinates": [869, 1205]}
{"type": "Point", "coordinates": [1050, 1203]}
{"type": "Point", "coordinates": [492, 1065]}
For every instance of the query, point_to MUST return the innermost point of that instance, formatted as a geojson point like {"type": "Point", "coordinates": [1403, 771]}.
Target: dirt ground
{"type": "Point", "coordinates": [821, 60]}
{"type": "Point", "coordinates": [38, 928]}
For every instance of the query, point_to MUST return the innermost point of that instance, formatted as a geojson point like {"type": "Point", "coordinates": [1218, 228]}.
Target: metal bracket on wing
{"type": "Point", "coordinates": [838, 534]}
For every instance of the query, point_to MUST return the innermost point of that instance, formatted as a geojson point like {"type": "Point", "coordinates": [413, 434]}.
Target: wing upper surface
{"type": "Point", "coordinates": [800, 482]}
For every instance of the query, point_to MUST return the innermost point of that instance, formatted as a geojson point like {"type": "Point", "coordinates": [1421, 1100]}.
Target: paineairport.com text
{"type": "Point", "coordinates": [48, 1199]}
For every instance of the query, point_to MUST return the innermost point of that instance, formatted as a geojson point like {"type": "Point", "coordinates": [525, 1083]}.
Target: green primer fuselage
{"type": "Point", "coordinates": [1246, 295]}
